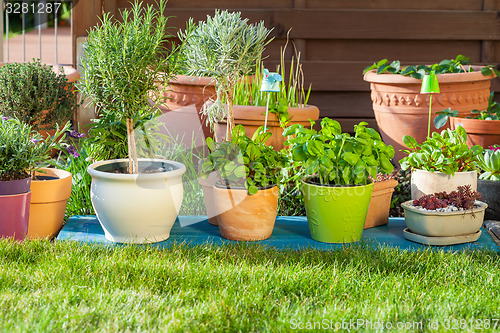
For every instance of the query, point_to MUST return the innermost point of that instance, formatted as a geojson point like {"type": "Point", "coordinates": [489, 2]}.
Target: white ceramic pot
{"type": "Point", "coordinates": [424, 182]}
{"type": "Point", "coordinates": [444, 224]}
{"type": "Point", "coordinates": [137, 208]}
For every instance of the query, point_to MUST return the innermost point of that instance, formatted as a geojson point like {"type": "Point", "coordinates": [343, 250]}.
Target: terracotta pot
{"type": "Point", "coordinates": [479, 132]}
{"type": "Point", "coordinates": [252, 117]}
{"type": "Point", "coordinates": [207, 186]}
{"type": "Point", "coordinates": [48, 202]}
{"type": "Point", "coordinates": [188, 94]}
{"type": "Point", "coordinates": [380, 203]}
{"type": "Point", "coordinates": [401, 110]}
{"type": "Point", "coordinates": [424, 182]}
{"type": "Point", "coordinates": [14, 215]}
{"type": "Point", "coordinates": [490, 193]}
{"type": "Point", "coordinates": [12, 187]}
{"type": "Point", "coordinates": [443, 224]}
{"type": "Point", "coordinates": [245, 217]}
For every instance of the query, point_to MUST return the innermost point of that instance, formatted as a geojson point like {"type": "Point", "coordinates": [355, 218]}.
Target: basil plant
{"type": "Point", "coordinates": [336, 158]}
{"type": "Point", "coordinates": [445, 152]}
{"type": "Point", "coordinates": [244, 161]}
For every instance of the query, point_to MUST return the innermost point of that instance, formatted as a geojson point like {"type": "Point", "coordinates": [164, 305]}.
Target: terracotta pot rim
{"type": "Point", "coordinates": [303, 113]}
{"type": "Point", "coordinates": [372, 76]}
{"type": "Point", "coordinates": [482, 206]}
{"type": "Point", "coordinates": [241, 188]}
{"type": "Point", "coordinates": [388, 183]}
{"type": "Point", "coordinates": [60, 174]}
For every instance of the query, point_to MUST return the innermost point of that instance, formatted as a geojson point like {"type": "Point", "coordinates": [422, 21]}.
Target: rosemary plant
{"type": "Point", "coordinates": [224, 47]}
{"type": "Point", "coordinates": [123, 62]}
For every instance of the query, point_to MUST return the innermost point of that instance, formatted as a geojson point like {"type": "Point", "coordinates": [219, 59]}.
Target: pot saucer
{"type": "Point", "coordinates": [441, 241]}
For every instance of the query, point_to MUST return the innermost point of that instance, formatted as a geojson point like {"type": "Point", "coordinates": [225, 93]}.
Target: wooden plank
{"type": "Point", "coordinates": [343, 104]}
{"type": "Point", "coordinates": [390, 24]}
{"type": "Point", "coordinates": [86, 14]}
{"type": "Point", "coordinates": [366, 24]}
{"type": "Point", "coordinates": [221, 4]}
{"type": "Point", "coordinates": [398, 4]}
{"type": "Point", "coordinates": [409, 51]}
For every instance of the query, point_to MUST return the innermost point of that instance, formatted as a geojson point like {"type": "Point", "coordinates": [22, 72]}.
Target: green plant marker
{"type": "Point", "coordinates": [270, 83]}
{"type": "Point", "coordinates": [430, 85]}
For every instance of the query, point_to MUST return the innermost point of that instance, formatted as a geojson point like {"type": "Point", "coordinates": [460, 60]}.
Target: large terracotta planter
{"type": "Point", "coordinates": [401, 110]}
{"type": "Point", "coordinates": [444, 224]}
{"type": "Point", "coordinates": [424, 182]}
{"type": "Point", "coordinates": [252, 117]}
{"type": "Point", "coordinates": [479, 132]}
{"type": "Point", "coordinates": [336, 214]}
{"type": "Point", "coordinates": [490, 194]}
{"type": "Point", "coordinates": [137, 208]}
{"type": "Point", "coordinates": [245, 217]}
{"type": "Point", "coordinates": [49, 197]}
{"type": "Point", "coordinates": [380, 203]}
{"type": "Point", "coordinates": [186, 96]}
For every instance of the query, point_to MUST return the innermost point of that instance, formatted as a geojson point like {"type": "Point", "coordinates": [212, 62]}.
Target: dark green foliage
{"type": "Point", "coordinates": [36, 95]}
{"type": "Point", "coordinates": [460, 64]}
{"type": "Point", "coordinates": [244, 161]}
{"type": "Point", "coordinates": [338, 158]}
{"type": "Point", "coordinates": [444, 152]}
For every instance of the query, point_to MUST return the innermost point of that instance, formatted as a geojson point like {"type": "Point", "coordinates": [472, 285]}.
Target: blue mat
{"type": "Point", "coordinates": [289, 233]}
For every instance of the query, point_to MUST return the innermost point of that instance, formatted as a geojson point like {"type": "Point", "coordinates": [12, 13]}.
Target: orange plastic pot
{"type": "Point", "coordinates": [48, 203]}
{"type": "Point", "coordinates": [380, 203]}
{"type": "Point", "coordinates": [479, 132]}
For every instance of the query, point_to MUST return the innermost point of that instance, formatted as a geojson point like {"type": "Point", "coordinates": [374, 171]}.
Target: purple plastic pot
{"type": "Point", "coordinates": [14, 215]}
{"type": "Point", "coordinates": [12, 187]}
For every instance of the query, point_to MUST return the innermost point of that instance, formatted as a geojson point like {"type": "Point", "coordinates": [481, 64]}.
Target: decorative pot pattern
{"type": "Point", "coordinates": [479, 132]}
{"type": "Point", "coordinates": [188, 94]}
{"type": "Point", "coordinates": [444, 224]}
{"type": "Point", "coordinates": [137, 208]}
{"type": "Point", "coordinates": [424, 182]}
{"type": "Point", "coordinates": [245, 217]}
{"type": "Point", "coordinates": [336, 214]}
{"type": "Point", "coordinates": [401, 110]}
{"type": "Point", "coordinates": [48, 203]}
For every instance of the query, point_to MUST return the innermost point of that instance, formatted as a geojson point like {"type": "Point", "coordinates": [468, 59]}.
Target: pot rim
{"type": "Point", "coordinates": [179, 171]}
{"type": "Point", "coordinates": [442, 173]}
{"type": "Point", "coordinates": [303, 180]}
{"type": "Point", "coordinates": [241, 188]}
{"type": "Point", "coordinates": [193, 80]}
{"type": "Point", "coordinates": [59, 173]}
{"type": "Point", "coordinates": [406, 206]}
{"type": "Point", "coordinates": [389, 78]}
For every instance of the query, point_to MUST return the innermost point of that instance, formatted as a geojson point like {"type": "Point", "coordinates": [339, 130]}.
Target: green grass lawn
{"type": "Point", "coordinates": [66, 286]}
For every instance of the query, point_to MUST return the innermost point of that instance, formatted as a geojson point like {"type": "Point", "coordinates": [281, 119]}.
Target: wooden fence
{"type": "Point", "coordinates": [338, 38]}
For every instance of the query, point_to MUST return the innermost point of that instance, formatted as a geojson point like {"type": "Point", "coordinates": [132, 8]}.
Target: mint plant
{"type": "Point", "coordinates": [445, 152]}
{"type": "Point", "coordinates": [336, 158]}
{"type": "Point", "coordinates": [489, 162]}
{"type": "Point", "coordinates": [244, 161]}
{"type": "Point", "coordinates": [460, 64]}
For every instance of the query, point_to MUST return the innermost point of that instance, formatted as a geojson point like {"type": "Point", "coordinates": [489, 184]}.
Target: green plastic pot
{"type": "Point", "coordinates": [336, 214]}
